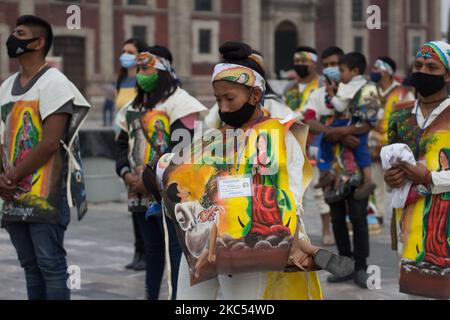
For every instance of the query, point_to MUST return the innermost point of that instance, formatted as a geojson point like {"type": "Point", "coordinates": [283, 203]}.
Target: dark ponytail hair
{"type": "Point", "coordinates": [140, 46]}
{"type": "Point", "coordinates": [239, 53]}
{"type": "Point", "coordinates": [167, 85]}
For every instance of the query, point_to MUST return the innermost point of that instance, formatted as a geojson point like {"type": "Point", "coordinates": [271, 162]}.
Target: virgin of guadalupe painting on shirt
{"type": "Point", "coordinates": [436, 223]}
{"type": "Point", "coordinates": [235, 234]}
{"type": "Point", "coordinates": [37, 194]}
{"type": "Point", "coordinates": [424, 222]}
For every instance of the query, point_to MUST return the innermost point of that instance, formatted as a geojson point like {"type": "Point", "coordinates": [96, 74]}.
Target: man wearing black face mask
{"type": "Point", "coordinates": [423, 219]}
{"type": "Point", "coordinates": [41, 111]}
{"type": "Point", "coordinates": [305, 61]}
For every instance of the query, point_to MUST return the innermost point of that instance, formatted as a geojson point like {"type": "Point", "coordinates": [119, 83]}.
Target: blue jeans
{"type": "Point", "coordinates": [42, 255]}
{"type": "Point", "coordinates": [108, 111]}
{"type": "Point", "coordinates": [361, 153]}
{"type": "Point", "coordinates": [152, 231]}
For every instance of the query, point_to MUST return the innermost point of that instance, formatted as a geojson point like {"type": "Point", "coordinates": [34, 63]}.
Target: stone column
{"type": "Point", "coordinates": [344, 28]}
{"type": "Point", "coordinates": [26, 7]}
{"type": "Point", "coordinates": [397, 34]}
{"type": "Point", "coordinates": [308, 30]}
{"type": "Point", "coordinates": [251, 23]}
{"type": "Point", "coordinates": [107, 39]}
{"type": "Point", "coordinates": [180, 35]}
{"type": "Point", "coordinates": [267, 34]}
{"type": "Point", "coordinates": [437, 19]}
{"type": "Point", "coordinates": [4, 60]}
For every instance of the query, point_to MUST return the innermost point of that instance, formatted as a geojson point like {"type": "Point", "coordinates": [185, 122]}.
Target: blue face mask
{"type": "Point", "coordinates": [333, 73]}
{"type": "Point", "coordinates": [375, 77]}
{"type": "Point", "coordinates": [128, 60]}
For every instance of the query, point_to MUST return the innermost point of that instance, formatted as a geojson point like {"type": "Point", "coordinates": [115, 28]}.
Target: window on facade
{"type": "Point", "coordinates": [358, 44]}
{"type": "Point", "coordinates": [137, 2]}
{"type": "Point", "coordinates": [357, 10]}
{"type": "Point", "coordinates": [415, 11]}
{"type": "Point", "coordinates": [203, 5]}
{"type": "Point", "coordinates": [139, 32]}
{"type": "Point", "coordinates": [72, 50]}
{"type": "Point", "coordinates": [204, 43]}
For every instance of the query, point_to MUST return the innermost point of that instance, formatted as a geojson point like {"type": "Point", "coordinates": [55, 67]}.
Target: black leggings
{"type": "Point", "coordinates": [138, 241]}
{"type": "Point", "coordinates": [357, 211]}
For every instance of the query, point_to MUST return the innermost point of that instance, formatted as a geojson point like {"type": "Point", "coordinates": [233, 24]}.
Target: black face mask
{"type": "Point", "coordinates": [17, 47]}
{"type": "Point", "coordinates": [302, 70]}
{"type": "Point", "coordinates": [238, 118]}
{"type": "Point", "coordinates": [427, 84]}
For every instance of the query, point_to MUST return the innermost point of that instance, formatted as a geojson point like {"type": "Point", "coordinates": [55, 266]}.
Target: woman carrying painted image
{"type": "Point", "coordinates": [240, 223]}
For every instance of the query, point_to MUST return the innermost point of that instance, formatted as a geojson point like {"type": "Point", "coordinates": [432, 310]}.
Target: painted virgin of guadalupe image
{"type": "Point", "coordinates": [160, 138]}
{"type": "Point", "coordinates": [266, 213]}
{"type": "Point", "coordinates": [436, 222]}
{"type": "Point", "coordinates": [27, 138]}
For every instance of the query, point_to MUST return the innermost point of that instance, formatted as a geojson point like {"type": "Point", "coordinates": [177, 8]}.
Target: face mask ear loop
{"type": "Point", "coordinates": [250, 96]}
{"type": "Point", "coordinates": [261, 100]}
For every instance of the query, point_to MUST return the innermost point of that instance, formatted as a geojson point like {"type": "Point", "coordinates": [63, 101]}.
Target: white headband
{"type": "Point", "coordinates": [306, 55]}
{"type": "Point", "coordinates": [380, 64]}
{"type": "Point", "coordinates": [239, 74]}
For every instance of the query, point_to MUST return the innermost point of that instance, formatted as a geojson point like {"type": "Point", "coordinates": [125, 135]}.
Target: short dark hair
{"type": "Point", "coordinates": [306, 49]}
{"type": "Point", "coordinates": [45, 29]}
{"type": "Point", "coordinates": [390, 62]}
{"type": "Point", "coordinates": [354, 60]}
{"type": "Point", "coordinates": [331, 51]}
{"type": "Point", "coordinates": [140, 45]}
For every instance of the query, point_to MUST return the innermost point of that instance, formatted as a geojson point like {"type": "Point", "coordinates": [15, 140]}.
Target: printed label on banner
{"type": "Point", "coordinates": [234, 187]}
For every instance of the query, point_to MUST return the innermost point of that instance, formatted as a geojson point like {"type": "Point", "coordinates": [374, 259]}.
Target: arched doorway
{"type": "Point", "coordinates": [72, 50]}
{"type": "Point", "coordinates": [286, 40]}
